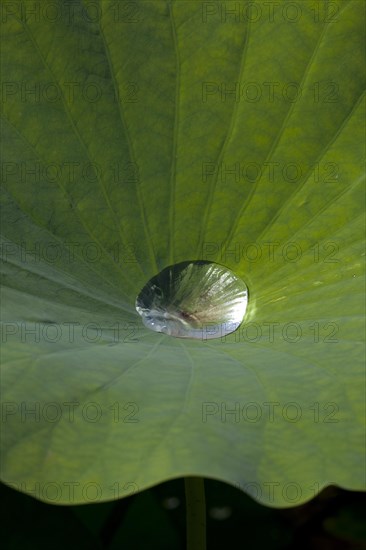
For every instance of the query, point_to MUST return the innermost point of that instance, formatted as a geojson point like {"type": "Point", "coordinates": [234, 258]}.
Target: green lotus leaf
{"type": "Point", "coordinates": [138, 135]}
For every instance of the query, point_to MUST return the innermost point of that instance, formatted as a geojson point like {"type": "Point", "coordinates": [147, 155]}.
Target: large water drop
{"type": "Point", "coordinates": [198, 299]}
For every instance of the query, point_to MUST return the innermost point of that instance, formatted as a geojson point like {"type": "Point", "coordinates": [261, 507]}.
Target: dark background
{"type": "Point", "coordinates": [155, 518]}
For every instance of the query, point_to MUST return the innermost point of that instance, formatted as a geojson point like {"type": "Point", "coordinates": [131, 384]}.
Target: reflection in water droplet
{"type": "Point", "coordinates": [199, 299]}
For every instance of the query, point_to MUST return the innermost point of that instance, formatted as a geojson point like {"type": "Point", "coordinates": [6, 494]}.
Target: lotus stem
{"type": "Point", "coordinates": [196, 513]}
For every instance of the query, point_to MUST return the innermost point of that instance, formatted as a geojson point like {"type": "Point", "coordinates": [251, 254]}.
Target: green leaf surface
{"type": "Point", "coordinates": [124, 151]}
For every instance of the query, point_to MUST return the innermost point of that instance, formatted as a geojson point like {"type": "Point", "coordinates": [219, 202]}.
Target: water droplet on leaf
{"type": "Point", "coordinates": [198, 299]}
